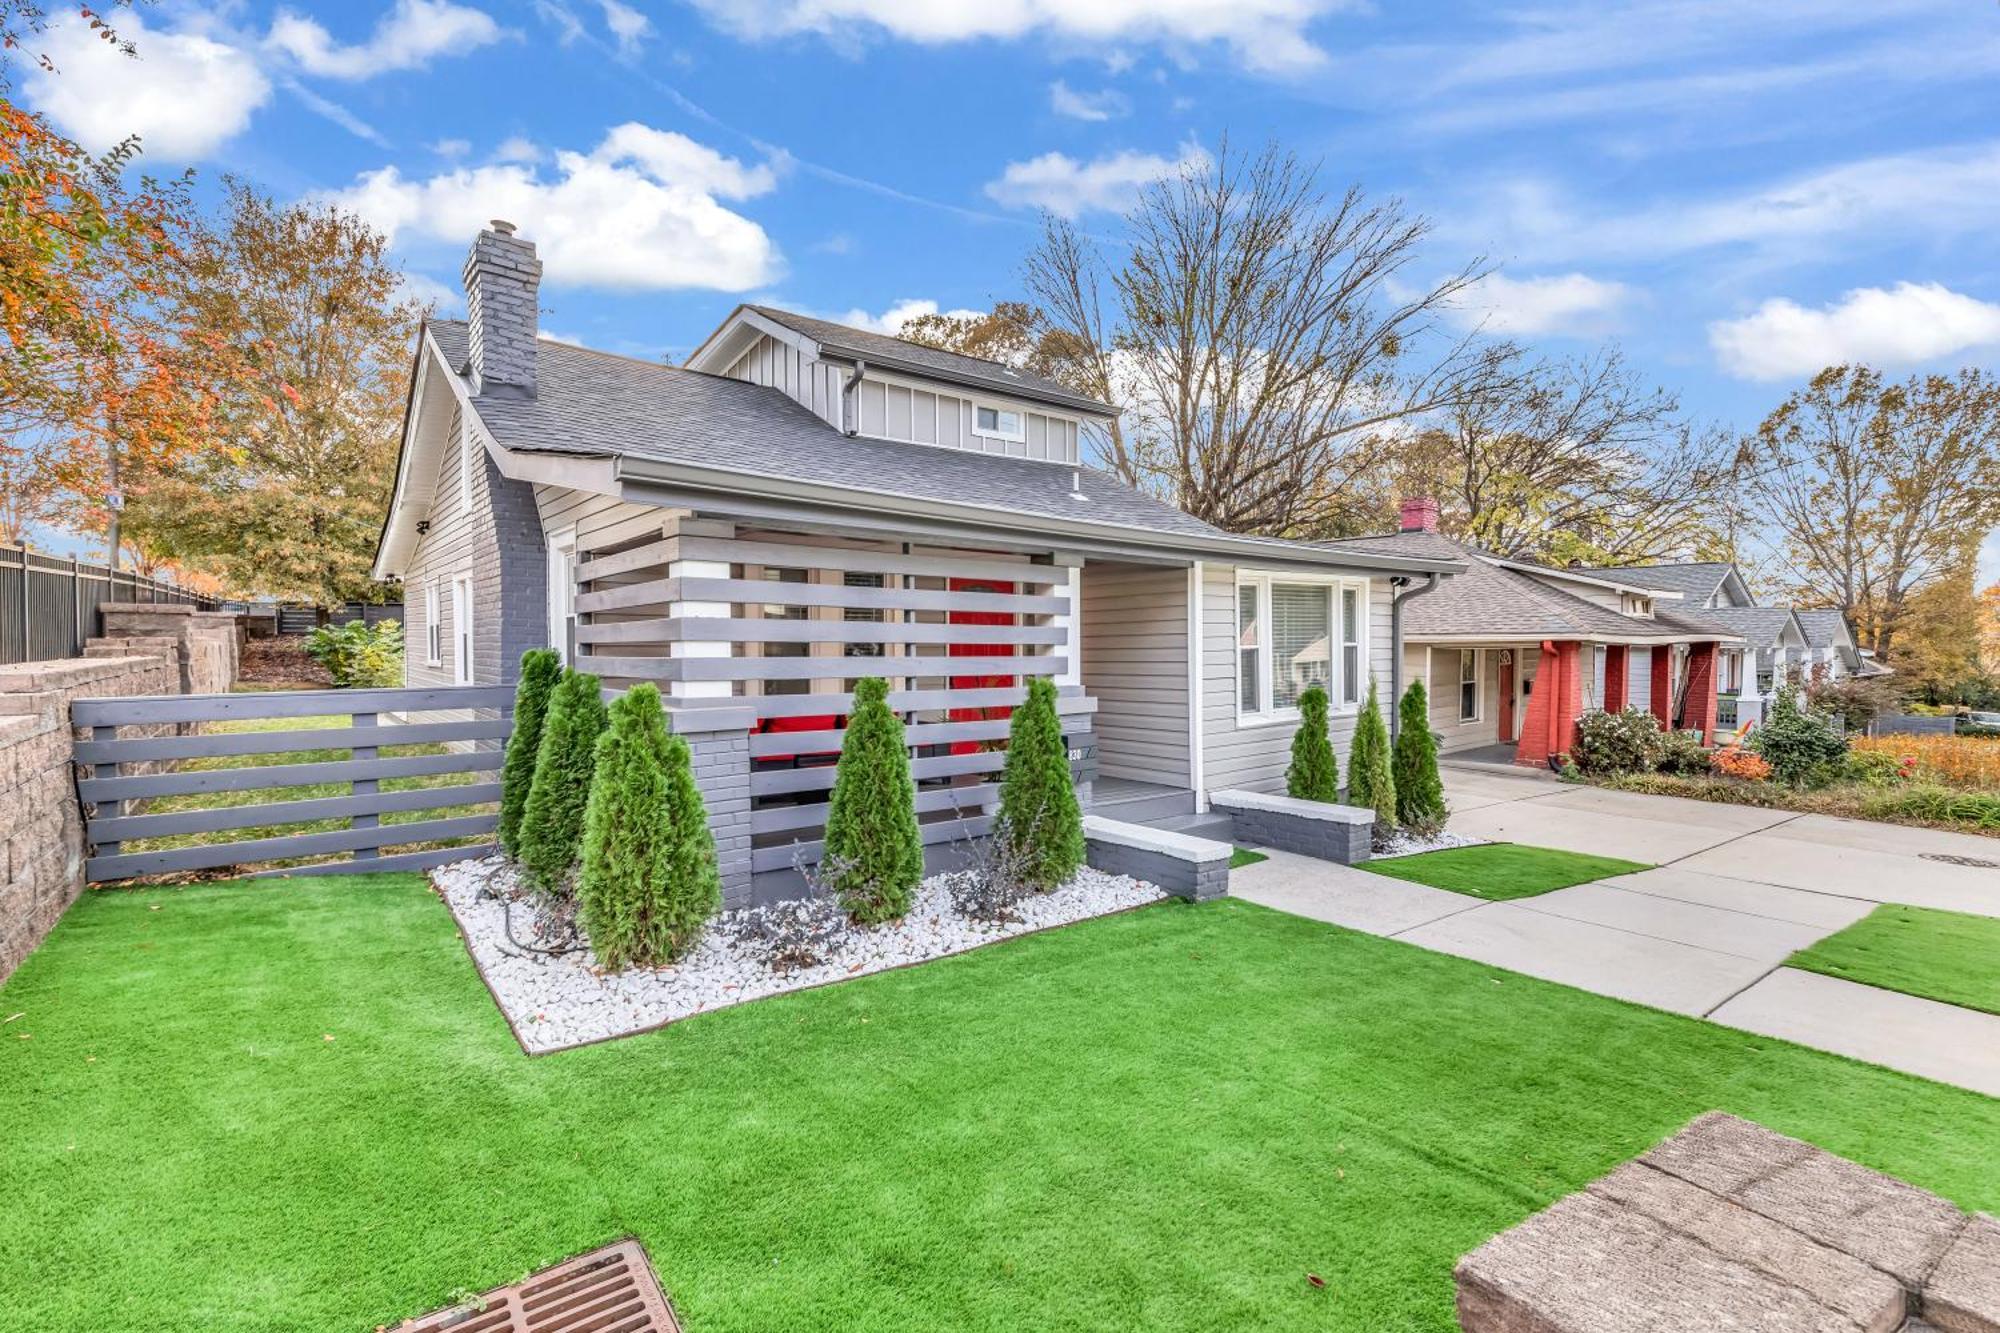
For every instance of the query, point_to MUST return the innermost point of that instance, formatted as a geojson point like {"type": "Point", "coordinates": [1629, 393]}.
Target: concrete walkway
{"type": "Point", "coordinates": [1734, 892]}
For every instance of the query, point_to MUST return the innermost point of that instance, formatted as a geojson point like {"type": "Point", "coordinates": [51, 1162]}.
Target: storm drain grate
{"type": "Point", "coordinates": [611, 1290]}
{"type": "Point", "coordinates": [1953, 860]}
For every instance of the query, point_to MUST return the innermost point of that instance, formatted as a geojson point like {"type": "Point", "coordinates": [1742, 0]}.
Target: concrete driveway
{"type": "Point", "coordinates": [1734, 892]}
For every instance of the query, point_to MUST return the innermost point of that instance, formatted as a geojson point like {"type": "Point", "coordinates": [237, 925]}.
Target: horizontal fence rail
{"type": "Point", "coordinates": [194, 764]}
{"type": "Point", "coordinates": [49, 604]}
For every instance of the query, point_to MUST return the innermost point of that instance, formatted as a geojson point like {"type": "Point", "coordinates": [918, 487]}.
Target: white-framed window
{"type": "Point", "coordinates": [433, 626]}
{"type": "Point", "coordinates": [562, 595]}
{"type": "Point", "coordinates": [461, 630]}
{"type": "Point", "coordinates": [1296, 631]}
{"type": "Point", "coordinates": [1468, 685]}
{"type": "Point", "coordinates": [998, 423]}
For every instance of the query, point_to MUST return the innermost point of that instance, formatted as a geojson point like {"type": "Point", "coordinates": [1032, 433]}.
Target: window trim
{"type": "Point", "coordinates": [562, 547]}
{"type": "Point", "coordinates": [433, 624]}
{"type": "Point", "coordinates": [1333, 584]}
{"type": "Point", "coordinates": [1017, 437]}
{"type": "Point", "coordinates": [1477, 682]}
{"type": "Point", "coordinates": [461, 629]}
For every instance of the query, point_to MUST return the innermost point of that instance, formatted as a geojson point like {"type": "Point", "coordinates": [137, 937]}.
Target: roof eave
{"type": "Point", "coordinates": [916, 369]}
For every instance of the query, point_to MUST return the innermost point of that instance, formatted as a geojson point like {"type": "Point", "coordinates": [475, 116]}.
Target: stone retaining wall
{"type": "Point", "coordinates": [42, 851]}
{"type": "Point", "coordinates": [206, 645]}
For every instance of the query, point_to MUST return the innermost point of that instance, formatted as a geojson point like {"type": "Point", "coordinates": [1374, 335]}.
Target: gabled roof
{"type": "Point", "coordinates": [1826, 628]}
{"type": "Point", "coordinates": [1696, 581]}
{"type": "Point", "coordinates": [1761, 627]}
{"type": "Point", "coordinates": [1496, 599]}
{"type": "Point", "coordinates": [661, 425]}
{"type": "Point", "coordinates": [844, 343]}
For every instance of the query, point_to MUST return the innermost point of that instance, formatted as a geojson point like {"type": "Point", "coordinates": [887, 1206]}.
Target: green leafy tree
{"type": "Point", "coordinates": [1419, 789]}
{"type": "Point", "coordinates": [649, 881]}
{"type": "Point", "coordinates": [552, 822]}
{"type": "Point", "coordinates": [874, 854]}
{"type": "Point", "coordinates": [1038, 806]}
{"type": "Point", "coordinates": [1370, 782]}
{"type": "Point", "coordinates": [541, 668]}
{"type": "Point", "coordinates": [1314, 774]}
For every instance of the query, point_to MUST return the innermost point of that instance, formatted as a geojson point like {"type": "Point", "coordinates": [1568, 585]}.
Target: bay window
{"type": "Point", "coordinates": [1294, 632]}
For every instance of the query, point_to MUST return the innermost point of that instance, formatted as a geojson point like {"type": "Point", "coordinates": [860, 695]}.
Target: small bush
{"type": "Point", "coordinates": [1314, 773]}
{"type": "Point", "coordinates": [1370, 780]}
{"type": "Point", "coordinates": [1419, 789]}
{"type": "Point", "coordinates": [1736, 762]}
{"type": "Point", "coordinates": [1879, 768]}
{"type": "Point", "coordinates": [541, 668]}
{"type": "Point", "coordinates": [1855, 700]}
{"type": "Point", "coordinates": [1681, 754]}
{"type": "Point", "coordinates": [1802, 748]}
{"type": "Point", "coordinates": [1628, 741]}
{"type": "Point", "coordinates": [552, 822]}
{"type": "Point", "coordinates": [358, 654]}
{"type": "Point", "coordinates": [791, 935]}
{"type": "Point", "coordinates": [873, 856]}
{"type": "Point", "coordinates": [649, 881]}
{"type": "Point", "coordinates": [1936, 805]}
{"type": "Point", "coordinates": [1040, 820]}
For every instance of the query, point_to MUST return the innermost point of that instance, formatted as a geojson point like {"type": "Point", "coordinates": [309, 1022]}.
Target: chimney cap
{"type": "Point", "coordinates": [501, 225]}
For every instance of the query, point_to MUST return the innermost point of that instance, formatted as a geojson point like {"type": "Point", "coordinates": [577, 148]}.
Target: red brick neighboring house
{"type": "Point", "coordinates": [1514, 653]}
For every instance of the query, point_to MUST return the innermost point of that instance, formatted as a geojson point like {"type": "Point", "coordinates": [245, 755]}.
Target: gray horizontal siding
{"type": "Point", "coordinates": [1135, 664]}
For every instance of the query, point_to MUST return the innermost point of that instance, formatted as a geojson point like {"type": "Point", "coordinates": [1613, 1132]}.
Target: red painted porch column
{"type": "Point", "coordinates": [1550, 725]}
{"type": "Point", "coordinates": [1617, 693]}
{"type": "Point", "coordinates": [1699, 713]}
{"type": "Point", "coordinates": [1663, 685]}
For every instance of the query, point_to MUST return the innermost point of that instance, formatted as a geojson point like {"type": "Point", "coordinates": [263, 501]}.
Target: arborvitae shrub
{"type": "Point", "coordinates": [1039, 814]}
{"type": "Point", "coordinates": [874, 855]}
{"type": "Point", "coordinates": [1419, 789]}
{"type": "Point", "coordinates": [1369, 780]}
{"type": "Point", "coordinates": [552, 822]}
{"type": "Point", "coordinates": [649, 881]}
{"type": "Point", "coordinates": [1314, 774]}
{"type": "Point", "coordinates": [541, 668]}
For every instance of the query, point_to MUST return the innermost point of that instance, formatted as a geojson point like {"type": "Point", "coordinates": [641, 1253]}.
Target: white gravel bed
{"type": "Point", "coordinates": [564, 1000]}
{"type": "Point", "coordinates": [1404, 844]}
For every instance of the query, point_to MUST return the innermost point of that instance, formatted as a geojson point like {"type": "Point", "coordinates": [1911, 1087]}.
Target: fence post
{"type": "Point", "coordinates": [27, 612]}
{"type": "Point", "coordinates": [76, 635]}
{"type": "Point", "coordinates": [106, 809]}
{"type": "Point", "coordinates": [365, 787]}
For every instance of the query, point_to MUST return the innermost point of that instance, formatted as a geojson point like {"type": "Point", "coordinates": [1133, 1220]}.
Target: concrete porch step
{"type": "Point", "coordinates": [1216, 824]}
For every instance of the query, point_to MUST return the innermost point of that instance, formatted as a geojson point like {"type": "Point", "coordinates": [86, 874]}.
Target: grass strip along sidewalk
{"type": "Point", "coordinates": [1938, 955]}
{"type": "Point", "coordinates": [1498, 871]}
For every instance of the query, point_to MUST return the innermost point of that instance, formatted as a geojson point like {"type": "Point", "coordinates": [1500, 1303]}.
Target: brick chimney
{"type": "Point", "coordinates": [502, 277]}
{"type": "Point", "coordinates": [1420, 514]}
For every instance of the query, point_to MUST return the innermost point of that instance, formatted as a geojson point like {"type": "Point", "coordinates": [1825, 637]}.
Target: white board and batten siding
{"type": "Point", "coordinates": [1253, 755]}
{"type": "Point", "coordinates": [1135, 664]}
{"type": "Point", "coordinates": [898, 407]}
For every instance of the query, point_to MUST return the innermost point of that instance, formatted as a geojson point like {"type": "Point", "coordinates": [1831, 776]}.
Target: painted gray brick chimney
{"type": "Point", "coordinates": [502, 278]}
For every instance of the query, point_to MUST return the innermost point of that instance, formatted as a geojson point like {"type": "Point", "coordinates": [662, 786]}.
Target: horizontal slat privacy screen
{"type": "Point", "coordinates": [450, 786]}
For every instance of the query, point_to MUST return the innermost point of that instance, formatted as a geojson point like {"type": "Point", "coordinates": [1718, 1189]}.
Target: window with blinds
{"type": "Point", "coordinates": [1301, 626]}
{"type": "Point", "coordinates": [1249, 640]}
{"type": "Point", "coordinates": [1292, 635]}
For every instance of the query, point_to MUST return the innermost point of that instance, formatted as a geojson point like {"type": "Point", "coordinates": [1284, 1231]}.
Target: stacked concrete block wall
{"type": "Point", "coordinates": [1342, 833]}
{"type": "Point", "coordinates": [41, 827]}
{"type": "Point", "coordinates": [1187, 867]}
{"type": "Point", "coordinates": [207, 645]}
{"type": "Point", "coordinates": [719, 743]}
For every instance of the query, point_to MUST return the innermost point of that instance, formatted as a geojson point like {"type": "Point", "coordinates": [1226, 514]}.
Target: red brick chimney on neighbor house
{"type": "Point", "coordinates": [1420, 514]}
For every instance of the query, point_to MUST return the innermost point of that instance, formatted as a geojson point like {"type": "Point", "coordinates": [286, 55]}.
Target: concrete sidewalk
{"type": "Point", "coordinates": [1736, 890]}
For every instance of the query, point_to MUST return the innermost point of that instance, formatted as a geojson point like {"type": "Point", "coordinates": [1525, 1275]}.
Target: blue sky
{"type": "Point", "coordinates": [1736, 192]}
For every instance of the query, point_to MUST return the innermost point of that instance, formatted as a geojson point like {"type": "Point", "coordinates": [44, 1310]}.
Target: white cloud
{"type": "Point", "coordinates": [409, 36]}
{"type": "Point", "coordinates": [1569, 304]}
{"type": "Point", "coordinates": [183, 94]}
{"type": "Point", "coordinates": [892, 320]}
{"type": "Point", "coordinates": [519, 148]}
{"type": "Point", "coordinates": [1904, 325]}
{"type": "Point", "coordinates": [422, 288]}
{"type": "Point", "coordinates": [452, 147]}
{"type": "Point", "coordinates": [1067, 101]}
{"type": "Point", "coordinates": [629, 28]}
{"type": "Point", "coordinates": [642, 210]}
{"type": "Point", "coordinates": [1067, 187]}
{"type": "Point", "coordinates": [1265, 35]}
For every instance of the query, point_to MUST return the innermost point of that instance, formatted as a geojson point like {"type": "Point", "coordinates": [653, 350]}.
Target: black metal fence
{"type": "Point", "coordinates": [48, 604]}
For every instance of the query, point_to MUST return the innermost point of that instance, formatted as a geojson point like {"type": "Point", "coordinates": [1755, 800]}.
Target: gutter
{"type": "Point", "coordinates": [1396, 645]}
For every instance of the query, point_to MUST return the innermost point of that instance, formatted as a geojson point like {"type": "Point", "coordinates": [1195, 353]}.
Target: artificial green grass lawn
{"type": "Point", "coordinates": [1949, 956]}
{"type": "Point", "coordinates": [1243, 856]}
{"type": "Point", "coordinates": [1502, 870]}
{"type": "Point", "coordinates": [291, 1104]}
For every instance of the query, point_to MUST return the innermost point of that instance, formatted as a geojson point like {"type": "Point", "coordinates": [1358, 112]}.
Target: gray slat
{"type": "Point", "coordinates": [942, 830]}
{"type": "Point", "coordinates": [285, 775]}
{"type": "Point", "coordinates": [125, 865]}
{"type": "Point", "coordinates": [625, 562]}
{"type": "Point", "coordinates": [285, 703]}
{"type": "Point", "coordinates": [768, 743]}
{"type": "Point", "coordinates": [720, 629]}
{"type": "Point", "coordinates": [738, 551]}
{"type": "Point", "coordinates": [133, 827]}
{"type": "Point", "coordinates": [777, 782]}
{"type": "Point", "coordinates": [1070, 699]}
{"type": "Point", "coordinates": [382, 865]}
{"type": "Point", "coordinates": [817, 668]}
{"type": "Point", "coordinates": [966, 800]}
{"type": "Point", "coordinates": [223, 744]}
{"type": "Point", "coordinates": [753, 592]}
{"type": "Point", "coordinates": [653, 592]}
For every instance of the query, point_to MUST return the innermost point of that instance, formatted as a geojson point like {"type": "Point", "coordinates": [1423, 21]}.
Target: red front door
{"type": "Point", "coordinates": [1507, 698]}
{"type": "Point", "coordinates": [979, 682]}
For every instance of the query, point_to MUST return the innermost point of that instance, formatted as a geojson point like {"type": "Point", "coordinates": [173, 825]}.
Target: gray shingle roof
{"type": "Point", "coordinates": [1510, 604]}
{"type": "Point", "coordinates": [1696, 580]}
{"type": "Point", "coordinates": [1760, 626]}
{"type": "Point", "coordinates": [1824, 627]}
{"type": "Point", "coordinates": [595, 404]}
{"type": "Point", "coordinates": [955, 365]}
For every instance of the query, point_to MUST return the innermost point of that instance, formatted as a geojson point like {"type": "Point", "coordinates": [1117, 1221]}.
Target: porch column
{"type": "Point", "coordinates": [1663, 685]}
{"type": "Point", "coordinates": [1550, 725]}
{"type": "Point", "coordinates": [1700, 710]}
{"type": "Point", "coordinates": [1616, 693]}
{"type": "Point", "coordinates": [698, 569]}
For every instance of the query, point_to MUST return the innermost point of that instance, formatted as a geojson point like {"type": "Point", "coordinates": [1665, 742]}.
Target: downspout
{"type": "Point", "coordinates": [850, 411]}
{"type": "Point", "coordinates": [1396, 643]}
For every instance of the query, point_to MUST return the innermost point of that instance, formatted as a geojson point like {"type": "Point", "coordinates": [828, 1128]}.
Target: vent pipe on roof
{"type": "Point", "coordinates": [1076, 485]}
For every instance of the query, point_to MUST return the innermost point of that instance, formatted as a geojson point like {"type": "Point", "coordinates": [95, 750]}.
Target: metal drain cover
{"type": "Point", "coordinates": [611, 1290]}
{"type": "Point", "coordinates": [1952, 860]}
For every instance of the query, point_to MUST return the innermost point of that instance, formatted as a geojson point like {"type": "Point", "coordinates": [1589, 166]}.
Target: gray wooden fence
{"type": "Point", "coordinates": [48, 604]}
{"type": "Point", "coordinates": [128, 771]}
{"type": "Point", "coordinates": [1912, 724]}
